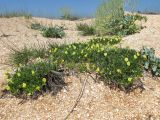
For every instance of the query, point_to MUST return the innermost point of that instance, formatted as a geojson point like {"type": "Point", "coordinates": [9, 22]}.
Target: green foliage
{"type": "Point", "coordinates": [125, 25]}
{"type": "Point", "coordinates": [111, 19]}
{"type": "Point", "coordinates": [29, 79]}
{"type": "Point", "coordinates": [151, 62]}
{"type": "Point", "coordinates": [53, 32]}
{"type": "Point", "coordinates": [108, 10]}
{"type": "Point", "coordinates": [116, 65]}
{"type": "Point", "coordinates": [23, 56]}
{"type": "Point", "coordinates": [86, 29]}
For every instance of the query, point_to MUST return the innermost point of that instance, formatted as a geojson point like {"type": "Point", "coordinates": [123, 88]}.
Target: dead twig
{"type": "Point", "coordinates": [78, 98]}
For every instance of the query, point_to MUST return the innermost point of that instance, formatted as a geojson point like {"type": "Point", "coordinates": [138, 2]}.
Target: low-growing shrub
{"type": "Point", "coordinates": [86, 29]}
{"type": "Point", "coordinates": [120, 67]}
{"type": "Point", "coordinates": [53, 32]}
{"type": "Point", "coordinates": [116, 65]}
{"type": "Point", "coordinates": [33, 79]}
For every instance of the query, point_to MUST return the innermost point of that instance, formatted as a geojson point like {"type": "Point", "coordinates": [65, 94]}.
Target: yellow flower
{"type": "Point", "coordinates": [29, 94]}
{"type": "Point", "coordinates": [97, 70]}
{"type": "Point", "coordinates": [129, 79]}
{"type": "Point", "coordinates": [105, 54]}
{"type": "Point", "coordinates": [66, 52]}
{"type": "Point", "coordinates": [33, 72]}
{"type": "Point", "coordinates": [55, 50]}
{"type": "Point", "coordinates": [9, 81]}
{"type": "Point", "coordinates": [82, 52]}
{"type": "Point", "coordinates": [97, 45]}
{"type": "Point", "coordinates": [24, 85]}
{"type": "Point", "coordinates": [135, 56]}
{"type": "Point", "coordinates": [73, 53]}
{"type": "Point", "coordinates": [138, 54]}
{"type": "Point", "coordinates": [62, 61]}
{"type": "Point", "coordinates": [38, 88]}
{"type": "Point", "coordinates": [128, 63]}
{"type": "Point", "coordinates": [92, 47]}
{"type": "Point", "coordinates": [116, 39]}
{"type": "Point", "coordinates": [44, 80]}
{"type": "Point", "coordinates": [85, 55]}
{"type": "Point", "coordinates": [7, 87]}
{"type": "Point", "coordinates": [119, 71]}
{"type": "Point", "coordinates": [126, 59]}
{"type": "Point", "coordinates": [144, 56]}
{"type": "Point", "coordinates": [19, 74]}
{"type": "Point", "coordinates": [74, 47]}
{"type": "Point", "coordinates": [102, 49]}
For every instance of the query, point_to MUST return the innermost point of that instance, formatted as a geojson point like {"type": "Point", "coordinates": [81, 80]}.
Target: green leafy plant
{"type": "Point", "coordinates": [107, 11]}
{"type": "Point", "coordinates": [151, 62]}
{"type": "Point", "coordinates": [111, 19]}
{"type": "Point", "coordinates": [86, 29]}
{"type": "Point", "coordinates": [125, 25]}
{"type": "Point", "coordinates": [53, 32]}
{"type": "Point", "coordinates": [33, 79]}
{"type": "Point", "coordinates": [120, 67]}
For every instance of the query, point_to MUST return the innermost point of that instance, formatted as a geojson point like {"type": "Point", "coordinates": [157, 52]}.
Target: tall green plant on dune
{"type": "Point", "coordinates": [108, 10]}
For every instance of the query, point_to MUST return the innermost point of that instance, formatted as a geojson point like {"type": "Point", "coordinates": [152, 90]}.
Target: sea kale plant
{"type": "Point", "coordinates": [151, 62]}
{"type": "Point", "coordinates": [49, 32]}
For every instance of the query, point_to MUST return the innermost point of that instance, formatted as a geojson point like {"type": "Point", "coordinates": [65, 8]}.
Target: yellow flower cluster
{"type": "Point", "coordinates": [127, 62]}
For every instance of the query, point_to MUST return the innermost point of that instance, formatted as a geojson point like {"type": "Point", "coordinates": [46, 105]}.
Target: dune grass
{"type": "Point", "coordinates": [10, 14]}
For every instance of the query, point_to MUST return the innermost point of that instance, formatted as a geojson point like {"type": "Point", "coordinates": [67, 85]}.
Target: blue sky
{"type": "Point", "coordinates": [52, 7]}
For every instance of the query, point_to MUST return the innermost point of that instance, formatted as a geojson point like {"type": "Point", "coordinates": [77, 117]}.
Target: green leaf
{"type": "Point", "coordinates": [146, 65]}
{"type": "Point", "coordinates": [154, 68]}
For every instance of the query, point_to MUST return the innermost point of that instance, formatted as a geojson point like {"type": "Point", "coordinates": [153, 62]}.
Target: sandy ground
{"type": "Point", "coordinates": [98, 101]}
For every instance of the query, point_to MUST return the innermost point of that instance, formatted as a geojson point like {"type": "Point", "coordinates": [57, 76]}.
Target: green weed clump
{"type": "Point", "coordinates": [23, 56]}
{"type": "Point", "coordinates": [53, 32]}
{"type": "Point", "coordinates": [86, 29]}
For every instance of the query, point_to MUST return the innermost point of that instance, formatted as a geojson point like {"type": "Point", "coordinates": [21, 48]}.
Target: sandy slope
{"type": "Point", "coordinates": [98, 102]}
